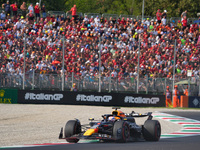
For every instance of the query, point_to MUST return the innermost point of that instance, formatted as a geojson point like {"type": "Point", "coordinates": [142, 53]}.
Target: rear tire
{"type": "Point", "coordinates": [152, 130]}
{"type": "Point", "coordinates": [121, 131]}
{"type": "Point", "coordinates": [72, 127]}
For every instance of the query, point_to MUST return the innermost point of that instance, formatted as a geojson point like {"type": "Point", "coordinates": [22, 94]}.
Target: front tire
{"type": "Point", "coordinates": [72, 127]}
{"type": "Point", "coordinates": [121, 131]}
{"type": "Point", "coordinates": [152, 130]}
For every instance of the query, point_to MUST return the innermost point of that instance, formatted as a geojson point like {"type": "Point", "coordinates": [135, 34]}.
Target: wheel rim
{"type": "Point", "coordinates": [126, 132]}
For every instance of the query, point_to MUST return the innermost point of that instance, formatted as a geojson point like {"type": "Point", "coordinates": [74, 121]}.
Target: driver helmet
{"type": "Point", "coordinates": [111, 118]}
{"type": "Point", "coordinates": [115, 113]}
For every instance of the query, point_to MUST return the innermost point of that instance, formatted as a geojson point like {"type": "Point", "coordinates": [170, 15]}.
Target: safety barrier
{"type": "Point", "coordinates": [194, 102]}
{"type": "Point", "coordinates": [89, 15]}
{"type": "Point", "coordinates": [128, 16]}
{"type": "Point", "coordinates": [56, 13]}
{"type": "Point", "coordinates": [90, 98]}
{"type": "Point", "coordinates": [185, 102]}
{"type": "Point", "coordinates": [107, 16]}
{"type": "Point", "coordinates": [8, 96]}
{"type": "Point", "coordinates": [13, 96]}
{"type": "Point", "coordinates": [51, 81]}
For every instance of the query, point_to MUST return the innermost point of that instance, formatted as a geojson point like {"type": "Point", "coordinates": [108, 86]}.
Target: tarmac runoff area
{"type": "Point", "coordinates": [36, 124]}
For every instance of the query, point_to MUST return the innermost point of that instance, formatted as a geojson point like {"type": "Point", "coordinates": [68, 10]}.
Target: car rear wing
{"type": "Point", "coordinates": [135, 115]}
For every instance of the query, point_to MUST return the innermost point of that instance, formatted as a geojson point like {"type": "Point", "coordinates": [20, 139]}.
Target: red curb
{"type": "Point", "coordinates": [181, 133]}
{"type": "Point", "coordinates": [187, 123]}
{"type": "Point", "coordinates": [175, 118]}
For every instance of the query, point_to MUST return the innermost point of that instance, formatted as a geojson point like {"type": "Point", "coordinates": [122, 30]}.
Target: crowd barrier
{"type": "Point", "coordinates": [14, 96]}
{"type": "Point", "coordinates": [48, 81]}
{"type": "Point", "coordinates": [187, 101]}
{"type": "Point", "coordinates": [8, 96]}
{"type": "Point", "coordinates": [184, 101]}
{"type": "Point", "coordinates": [90, 98]}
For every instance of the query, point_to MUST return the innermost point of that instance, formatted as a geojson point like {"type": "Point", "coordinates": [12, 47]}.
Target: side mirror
{"type": "Point", "coordinates": [132, 112]}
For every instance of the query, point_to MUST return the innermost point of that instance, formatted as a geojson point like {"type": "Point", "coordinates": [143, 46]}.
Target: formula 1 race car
{"type": "Point", "coordinates": [117, 127]}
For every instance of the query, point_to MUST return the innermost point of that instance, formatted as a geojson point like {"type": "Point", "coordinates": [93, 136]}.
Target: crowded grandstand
{"type": "Point", "coordinates": [118, 40]}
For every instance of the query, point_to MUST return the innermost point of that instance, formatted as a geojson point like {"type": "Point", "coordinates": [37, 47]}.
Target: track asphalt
{"type": "Point", "coordinates": [187, 138]}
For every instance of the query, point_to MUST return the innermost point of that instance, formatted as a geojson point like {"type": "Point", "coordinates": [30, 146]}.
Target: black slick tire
{"type": "Point", "coordinates": [72, 127]}
{"type": "Point", "coordinates": [121, 131]}
{"type": "Point", "coordinates": [152, 130]}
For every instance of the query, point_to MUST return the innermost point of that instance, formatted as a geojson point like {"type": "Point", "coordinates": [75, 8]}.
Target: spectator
{"type": "Point", "coordinates": [164, 21]}
{"type": "Point", "coordinates": [164, 14]}
{"type": "Point", "coordinates": [102, 19]}
{"type": "Point", "coordinates": [179, 24]}
{"type": "Point", "coordinates": [24, 9]}
{"type": "Point", "coordinates": [37, 11]}
{"type": "Point", "coordinates": [73, 11]}
{"type": "Point", "coordinates": [158, 16]}
{"type": "Point", "coordinates": [184, 22]}
{"type": "Point", "coordinates": [30, 8]}
{"type": "Point", "coordinates": [74, 88]}
{"type": "Point", "coordinates": [6, 7]}
{"type": "Point", "coordinates": [86, 19]}
{"type": "Point", "coordinates": [184, 14]}
{"type": "Point", "coordinates": [97, 20]}
{"type": "Point", "coordinates": [31, 17]}
{"type": "Point", "coordinates": [14, 9]}
{"type": "Point", "coordinates": [43, 9]}
{"type": "Point", "coordinates": [3, 15]}
{"type": "Point", "coordinates": [147, 22]}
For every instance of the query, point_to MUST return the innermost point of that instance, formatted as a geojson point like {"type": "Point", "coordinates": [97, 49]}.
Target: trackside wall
{"type": "Point", "coordinates": [90, 98]}
{"type": "Point", "coordinates": [8, 96]}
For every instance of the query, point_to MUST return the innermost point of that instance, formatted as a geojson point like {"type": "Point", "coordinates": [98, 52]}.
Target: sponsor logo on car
{"type": "Point", "coordinates": [119, 131]}
{"type": "Point", "coordinates": [92, 98]}
{"type": "Point", "coordinates": [42, 96]}
{"type": "Point", "coordinates": [141, 100]}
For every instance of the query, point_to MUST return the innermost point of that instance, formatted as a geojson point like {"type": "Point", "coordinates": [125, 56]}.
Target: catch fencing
{"type": "Point", "coordinates": [50, 81]}
{"type": "Point", "coordinates": [105, 15]}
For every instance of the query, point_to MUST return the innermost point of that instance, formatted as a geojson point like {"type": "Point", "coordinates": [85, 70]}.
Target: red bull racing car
{"type": "Point", "coordinates": [118, 126]}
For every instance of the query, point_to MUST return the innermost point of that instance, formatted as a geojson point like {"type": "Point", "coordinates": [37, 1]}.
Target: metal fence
{"type": "Point", "coordinates": [91, 83]}
{"type": "Point", "coordinates": [89, 15]}
{"type": "Point", "coordinates": [57, 13]}
{"type": "Point", "coordinates": [105, 15]}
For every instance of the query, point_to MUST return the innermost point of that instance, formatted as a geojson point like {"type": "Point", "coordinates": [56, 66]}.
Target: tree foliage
{"type": "Point", "coordinates": [134, 7]}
